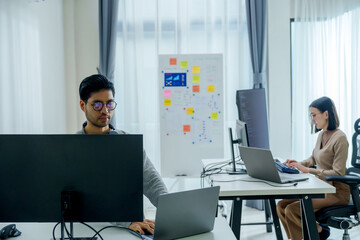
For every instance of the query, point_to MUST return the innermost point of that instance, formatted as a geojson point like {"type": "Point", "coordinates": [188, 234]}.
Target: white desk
{"type": "Point", "coordinates": [43, 231]}
{"type": "Point", "coordinates": [240, 190]}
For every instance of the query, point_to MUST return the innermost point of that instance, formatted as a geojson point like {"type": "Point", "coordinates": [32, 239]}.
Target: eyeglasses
{"type": "Point", "coordinates": [110, 106]}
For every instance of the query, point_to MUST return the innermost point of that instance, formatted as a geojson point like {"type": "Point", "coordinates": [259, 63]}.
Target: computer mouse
{"type": "Point", "coordinates": [9, 231]}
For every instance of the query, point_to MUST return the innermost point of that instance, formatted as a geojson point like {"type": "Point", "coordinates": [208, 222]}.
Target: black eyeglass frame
{"type": "Point", "coordinates": [102, 105]}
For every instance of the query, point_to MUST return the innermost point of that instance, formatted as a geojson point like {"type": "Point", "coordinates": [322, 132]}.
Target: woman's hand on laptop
{"type": "Point", "coordinates": [145, 227]}
{"type": "Point", "coordinates": [297, 165]}
{"type": "Point", "coordinates": [288, 161]}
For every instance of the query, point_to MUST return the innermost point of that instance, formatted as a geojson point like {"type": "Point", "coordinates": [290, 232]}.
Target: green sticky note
{"type": "Point", "coordinates": [196, 79]}
{"type": "Point", "coordinates": [183, 64]}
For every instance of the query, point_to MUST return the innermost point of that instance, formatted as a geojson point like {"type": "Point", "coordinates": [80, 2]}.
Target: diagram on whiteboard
{"type": "Point", "coordinates": [191, 97]}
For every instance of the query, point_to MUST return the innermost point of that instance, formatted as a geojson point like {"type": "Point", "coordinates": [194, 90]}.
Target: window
{"type": "Point", "coordinates": [147, 28]}
{"type": "Point", "coordinates": [325, 62]}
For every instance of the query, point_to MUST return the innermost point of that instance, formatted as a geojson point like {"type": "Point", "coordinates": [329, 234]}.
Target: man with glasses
{"type": "Point", "coordinates": [97, 102]}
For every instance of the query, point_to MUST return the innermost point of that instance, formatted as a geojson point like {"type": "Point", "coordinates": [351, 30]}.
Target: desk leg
{"type": "Point", "coordinates": [308, 219]}
{"type": "Point", "coordinates": [235, 218]}
{"type": "Point", "coordinates": [267, 215]}
{"type": "Point", "coordinates": [275, 219]}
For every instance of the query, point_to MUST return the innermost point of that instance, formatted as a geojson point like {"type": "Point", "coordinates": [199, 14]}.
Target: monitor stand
{"type": "Point", "coordinates": [69, 201]}
{"type": "Point", "coordinates": [237, 171]}
{"type": "Point", "coordinates": [234, 170]}
{"type": "Point", "coordinates": [72, 234]}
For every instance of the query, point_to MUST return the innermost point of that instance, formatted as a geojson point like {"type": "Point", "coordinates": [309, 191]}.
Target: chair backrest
{"type": "Point", "coordinates": [355, 159]}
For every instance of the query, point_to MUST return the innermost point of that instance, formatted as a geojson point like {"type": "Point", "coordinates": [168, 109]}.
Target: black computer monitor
{"type": "Point", "coordinates": [242, 139]}
{"type": "Point", "coordinates": [104, 171]}
{"type": "Point", "coordinates": [242, 133]}
{"type": "Point", "coordinates": [251, 105]}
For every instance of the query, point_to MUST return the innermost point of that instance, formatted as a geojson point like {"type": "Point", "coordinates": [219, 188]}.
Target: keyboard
{"type": "Point", "coordinates": [285, 169]}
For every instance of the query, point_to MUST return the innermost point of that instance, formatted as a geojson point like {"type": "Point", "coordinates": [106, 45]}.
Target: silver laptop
{"type": "Point", "coordinates": [260, 164]}
{"type": "Point", "coordinates": [187, 213]}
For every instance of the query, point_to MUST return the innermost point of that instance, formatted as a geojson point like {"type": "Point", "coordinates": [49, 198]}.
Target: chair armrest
{"type": "Point", "coordinates": [353, 182]}
{"type": "Point", "coordinates": [348, 179]}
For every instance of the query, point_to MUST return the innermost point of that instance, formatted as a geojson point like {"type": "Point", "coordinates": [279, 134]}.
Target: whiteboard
{"type": "Point", "coordinates": [191, 112]}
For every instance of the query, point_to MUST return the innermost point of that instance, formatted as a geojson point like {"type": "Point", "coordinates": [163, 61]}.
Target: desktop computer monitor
{"type": "Point", "coordinates": [251, 105]}
{"type": "Point", "coordinates": [104, 173]}
{"type": "Point", "coordinates": [242, 133]}
{"type": "Point", "coordinates": [242, 139]}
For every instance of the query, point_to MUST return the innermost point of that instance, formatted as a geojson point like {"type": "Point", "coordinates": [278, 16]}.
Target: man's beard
{"type": "Point", "coordinates": [94, 122]}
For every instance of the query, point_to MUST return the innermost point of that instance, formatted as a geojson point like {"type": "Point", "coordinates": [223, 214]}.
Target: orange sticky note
{"type": "Point", "coordinates": [196, 69]}
{"type": "Point", "coordinates": [196, 79]}
{"type": "Point", "coordinates": [190, 111]}
{"type": "Point", "coordinates": [186, 128]}
{"type": "Point", "coordinates": [211, 88]}
{"type": "Point", "coordinates": [196, 88]}
{"type": "Point", "coordinates": [172, 61]}
{"type": "Point", "coordinates": [214, 115]}
{"type": "Point", "coordinates": [167, 102]}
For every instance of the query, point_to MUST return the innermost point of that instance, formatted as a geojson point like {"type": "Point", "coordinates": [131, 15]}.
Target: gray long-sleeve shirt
{"type": "Point", "coordinates": [153, 185]}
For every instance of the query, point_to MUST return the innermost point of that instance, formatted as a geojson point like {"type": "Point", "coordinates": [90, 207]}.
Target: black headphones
{"type": "Point", "coordinates": [9, 231]}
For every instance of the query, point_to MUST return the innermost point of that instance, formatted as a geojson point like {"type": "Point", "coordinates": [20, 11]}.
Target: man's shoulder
{"type": "Point", "coordinates": [117, 131]}
{"type": "Point", "coordinates": [113, 131]}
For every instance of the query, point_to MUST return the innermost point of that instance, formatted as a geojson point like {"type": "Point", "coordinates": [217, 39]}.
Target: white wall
{"type": "Point", "coordinates": [82, 55]}
{"type": "Point", "coordinates": [81, 37]}
{"type": "Point", "coordinates": [279, 81]}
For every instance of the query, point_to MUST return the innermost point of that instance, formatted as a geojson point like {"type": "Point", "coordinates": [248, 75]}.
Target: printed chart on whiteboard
{"type": "Point", "coordinates": [191, 106]}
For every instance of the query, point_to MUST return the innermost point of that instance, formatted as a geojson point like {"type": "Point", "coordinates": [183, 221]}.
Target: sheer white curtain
{"type": "Point", "coordinates": [325, 62]}
{"type": "Point", "coordinates": [147, 28]}
{"type": "Point", "coordinates": [32, 98]}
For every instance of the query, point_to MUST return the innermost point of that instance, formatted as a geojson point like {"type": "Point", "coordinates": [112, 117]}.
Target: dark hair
{"type": "Point", "coordinates": [326, 104]}
{"type": "Point", "coordinates": [94, 83]}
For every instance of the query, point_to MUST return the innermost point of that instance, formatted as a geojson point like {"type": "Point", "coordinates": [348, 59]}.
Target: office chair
{"type": "Point", "coordinates": [347, 216]}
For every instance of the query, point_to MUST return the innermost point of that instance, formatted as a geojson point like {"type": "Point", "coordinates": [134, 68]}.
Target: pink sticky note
{"type": "Point", "coordinates": [167, 93]}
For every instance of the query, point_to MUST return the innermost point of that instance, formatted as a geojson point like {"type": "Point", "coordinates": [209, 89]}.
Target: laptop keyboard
{"type": "Point", "coordinates": [148, 237]}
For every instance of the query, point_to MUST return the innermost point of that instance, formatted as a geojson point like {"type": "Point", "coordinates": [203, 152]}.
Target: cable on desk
{"type": "Point", "coordinates": [211, 169]}
{"type": "Point", "coordinates": [245, 180]}
{"type": "Point", "coordinates": [217, 168]}
{"type": "Point", "coordinates": [53, 232]}
{"type": "Point", "coordinates": [135, 233]}
{"type": "Point", "coordinates": [70, 237]}
{"type": "Point", "coordinates": [222, 163]}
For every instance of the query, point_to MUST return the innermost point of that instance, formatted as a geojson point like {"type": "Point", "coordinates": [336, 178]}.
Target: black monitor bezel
{"type": "Point", "coordinates": [105, 170]}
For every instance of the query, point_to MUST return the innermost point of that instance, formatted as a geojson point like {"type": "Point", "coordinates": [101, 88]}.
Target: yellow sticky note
{"type": "Point", "coordinates": [211, 88]}
{"type": "Point", "coordinates": [183, 64]}
{"type": "Point", "coordinates": [196, 69]}
{"type": "Point", "coordinates": [190, 111]}
{"type": "Point", "coordinates": [214, 115]}
{"type": "Point", "coordinates": [167, 102]}
{"type": "Point", "coordinates": [196, 79]}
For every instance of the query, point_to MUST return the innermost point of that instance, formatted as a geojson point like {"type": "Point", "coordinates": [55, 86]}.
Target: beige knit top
{"type": "Point", "coordinates": [331, 158]}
